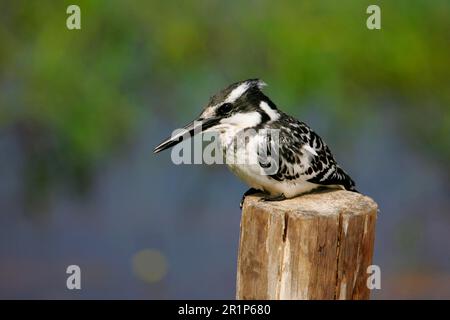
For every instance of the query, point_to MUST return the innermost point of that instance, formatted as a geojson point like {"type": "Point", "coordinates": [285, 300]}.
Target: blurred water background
{"type": "Point", "coordinates": [80, 113]}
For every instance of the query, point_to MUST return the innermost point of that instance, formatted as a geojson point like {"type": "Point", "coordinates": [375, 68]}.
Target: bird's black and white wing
{"type": "Point", "coordinates": [303, 155]}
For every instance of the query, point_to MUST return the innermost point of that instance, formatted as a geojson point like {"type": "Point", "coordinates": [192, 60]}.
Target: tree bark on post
{"type": "Point", "coordinates": [315, 246]}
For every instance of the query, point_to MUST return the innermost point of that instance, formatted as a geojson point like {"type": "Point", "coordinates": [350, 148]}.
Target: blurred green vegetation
{"type": "Point", "coordinates": [74, 97]}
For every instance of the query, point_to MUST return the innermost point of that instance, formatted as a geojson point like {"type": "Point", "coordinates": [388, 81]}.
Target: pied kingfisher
{"type": "Point", "coordinates": [304, 160]}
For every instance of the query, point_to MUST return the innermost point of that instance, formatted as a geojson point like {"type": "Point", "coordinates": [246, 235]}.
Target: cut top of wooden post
{"type": "Point", "coordinates": [324, 202]}
{"type": "Point", "coordinates": [315, 246]}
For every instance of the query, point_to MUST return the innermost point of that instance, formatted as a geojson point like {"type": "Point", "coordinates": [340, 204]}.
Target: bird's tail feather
{"type": "Point", "coordinates": [345, 180]}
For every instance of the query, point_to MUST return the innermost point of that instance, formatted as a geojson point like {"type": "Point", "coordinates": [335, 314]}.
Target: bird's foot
{"type": "Point", "coordinates": [277, 197]}
{"type": "Point", "coordinates": [248, 193]}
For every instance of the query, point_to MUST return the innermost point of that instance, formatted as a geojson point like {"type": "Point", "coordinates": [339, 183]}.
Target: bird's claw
{"type": "Point", "coordinates": [278, 197]}
{"type": "Point", "coordinates": [247, 193]}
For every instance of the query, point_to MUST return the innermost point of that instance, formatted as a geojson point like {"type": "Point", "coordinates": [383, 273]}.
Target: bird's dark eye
{"type": "Point", "coordinates": [225, 108]}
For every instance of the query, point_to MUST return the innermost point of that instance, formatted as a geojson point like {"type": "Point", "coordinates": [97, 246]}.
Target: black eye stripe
{"type": "Point", "coordinates": [225, 108]}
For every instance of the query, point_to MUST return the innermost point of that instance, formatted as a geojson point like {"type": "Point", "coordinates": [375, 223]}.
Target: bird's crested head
{"type": "Point", "coordinates": [241, 105]}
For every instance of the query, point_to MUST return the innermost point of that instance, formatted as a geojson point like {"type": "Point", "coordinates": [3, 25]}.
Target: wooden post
{"type": "Point", "coordinates": [315, 246]}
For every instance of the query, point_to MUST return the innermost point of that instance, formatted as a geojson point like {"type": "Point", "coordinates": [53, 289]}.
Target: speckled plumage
{"type": "Point", "coordinates": [315, 164]}
{"type": "Point", "coordinates": [304, 161]}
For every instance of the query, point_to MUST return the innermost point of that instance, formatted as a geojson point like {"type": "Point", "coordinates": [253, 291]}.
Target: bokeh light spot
{"type": "Point", "coordinates": [149, 265]}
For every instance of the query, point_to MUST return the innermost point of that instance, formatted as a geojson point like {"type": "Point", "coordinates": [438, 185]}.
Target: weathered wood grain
{"type": "Point", "coordinates": [316, 246]}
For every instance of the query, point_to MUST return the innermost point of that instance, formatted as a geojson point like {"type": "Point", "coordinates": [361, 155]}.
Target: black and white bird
{"type": "Point", "coordinates": [304, 160]}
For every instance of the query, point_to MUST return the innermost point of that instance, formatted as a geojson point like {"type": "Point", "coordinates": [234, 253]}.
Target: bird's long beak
{"type": "Point", "coordinates": [191, 129]}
